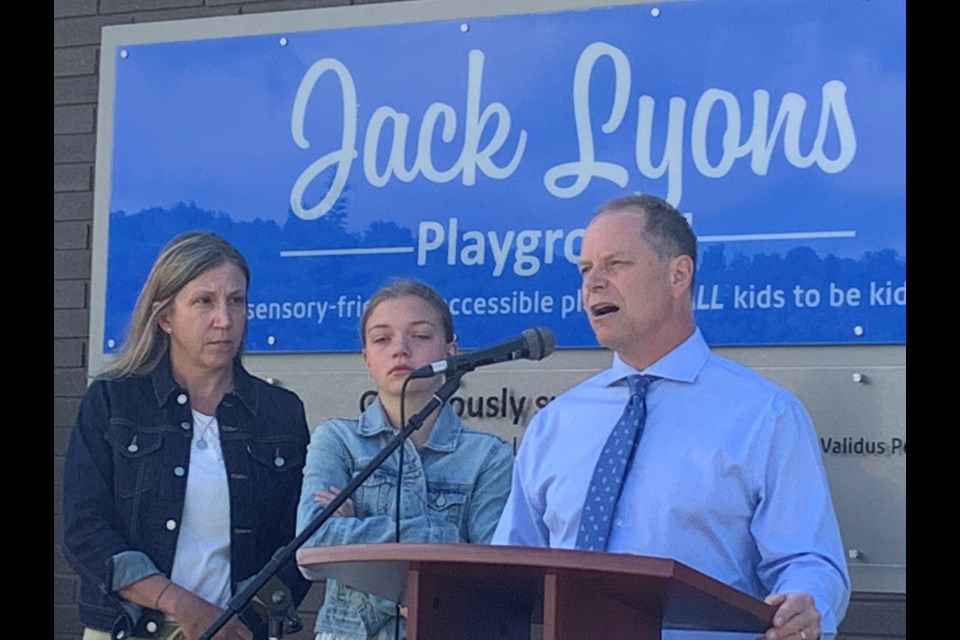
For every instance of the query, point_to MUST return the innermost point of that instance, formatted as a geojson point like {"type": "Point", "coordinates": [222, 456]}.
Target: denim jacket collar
{"type": "Point", "coordinates": [164, 385]}
{"type": "Point", "coordinates": [443, 437]}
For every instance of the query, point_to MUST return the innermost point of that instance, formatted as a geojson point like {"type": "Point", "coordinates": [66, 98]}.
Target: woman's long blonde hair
{"type": "Point", "coordinates": [180, 261]}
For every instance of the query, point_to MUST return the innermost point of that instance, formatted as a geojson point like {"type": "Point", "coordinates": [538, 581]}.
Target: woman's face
{"type": "Point", "coordinates": [403, 334]}
{"type": "Point", "coordinates": [206, 320]}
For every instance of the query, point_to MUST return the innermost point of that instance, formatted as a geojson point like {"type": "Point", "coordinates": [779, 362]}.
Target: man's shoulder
{"type": "Point", "coordinates": [734, 378]}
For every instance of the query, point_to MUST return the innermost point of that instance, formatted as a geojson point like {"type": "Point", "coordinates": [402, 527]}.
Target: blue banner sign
{"type": "Point", "coordinates": [470, 154]}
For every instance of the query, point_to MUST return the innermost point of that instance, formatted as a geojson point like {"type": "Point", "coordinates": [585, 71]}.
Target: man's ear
{"type": "Point", "coordinates": [452, 348]}
{"type": "Point", "coordinates": [681, 274]}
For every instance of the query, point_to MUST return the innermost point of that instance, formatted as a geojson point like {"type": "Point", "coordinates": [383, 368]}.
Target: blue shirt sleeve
{"type": "Point", "coordinates": [794, 525]}
{"type": "Point", "coordinates": [521, 522]}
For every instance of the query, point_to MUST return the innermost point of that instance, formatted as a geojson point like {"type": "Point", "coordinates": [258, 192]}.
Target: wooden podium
{"type": "Point", "coordinates": [480, 592]}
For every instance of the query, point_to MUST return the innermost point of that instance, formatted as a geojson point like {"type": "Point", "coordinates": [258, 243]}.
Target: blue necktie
{"type": "Point", "coordinates": [611, 470]}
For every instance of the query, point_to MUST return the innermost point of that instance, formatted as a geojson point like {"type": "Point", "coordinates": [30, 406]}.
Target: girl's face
{"type": "Point", "coordinates": [403, 334]}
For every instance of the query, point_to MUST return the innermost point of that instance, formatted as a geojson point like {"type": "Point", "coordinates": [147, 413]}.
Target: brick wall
{"type": "Point", "coordinates": [76, 29]}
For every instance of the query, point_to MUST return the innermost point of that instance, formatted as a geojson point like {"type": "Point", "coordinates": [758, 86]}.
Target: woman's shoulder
{"type": "Point", "coordinates": [277, 393]}
{"type": "Point", "coordinates": [339, 424]}
{"type": "Point", "coordinates": [267, 389]}
{"type": "Point", "coordinates": [337, 434]}
{"type": "Point", "coordinates": [106, 386]}
{"type": "Point", "coordinates": [340, 428]}
{"type": "Point", "coordinates": [484, 450]}
{"type": "Point", "coordinates": [479, 437]}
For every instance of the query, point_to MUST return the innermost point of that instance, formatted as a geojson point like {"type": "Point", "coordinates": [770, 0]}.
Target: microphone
{"type": "Point", "coordinates": [533, 344]}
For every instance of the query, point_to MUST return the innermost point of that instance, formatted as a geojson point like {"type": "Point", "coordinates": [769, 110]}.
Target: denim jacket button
{"type": "Point", "coordinates": [179, 471]}
{"type": "Point", "coordinates": [278, 461]}
{"type": "Point", "coordinates": [185, 425]}
{"type": "Point", "coordinates": [171, 524]}
{"type": "Point", "coordinates": [182, 398]}
{"type": "Point", "coordinates": [133, 448]}
{"type": "Point", "coordinates": [441, 501]}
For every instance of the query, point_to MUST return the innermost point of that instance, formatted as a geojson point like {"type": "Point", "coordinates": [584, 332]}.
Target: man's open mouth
{"type": "Point", "coordinates": [603, 309]}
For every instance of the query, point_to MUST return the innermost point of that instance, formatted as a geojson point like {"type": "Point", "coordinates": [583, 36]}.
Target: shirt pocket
{"type": "Point", "coordinates": [277, 455]}
{"type": "Point", "coordinates": [135, 456]}
{"type": "Point", "coordinates": [275, 467]}
{"type": "Point", "coordinates": [448, 502]}
{"type": "Point", "coordinates": [377, 496]}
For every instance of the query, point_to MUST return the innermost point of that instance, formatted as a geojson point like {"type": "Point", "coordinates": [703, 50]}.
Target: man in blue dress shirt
{"type": "Point", "coordinates": [727, 476]}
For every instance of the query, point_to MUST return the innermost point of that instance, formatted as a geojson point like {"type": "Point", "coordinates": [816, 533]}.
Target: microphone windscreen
{"type": "Point", "coordinates": [540, 342]}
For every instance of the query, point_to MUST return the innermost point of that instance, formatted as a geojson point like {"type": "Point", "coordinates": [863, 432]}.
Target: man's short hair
{"type": "Point", "coordinates": [665, 228]}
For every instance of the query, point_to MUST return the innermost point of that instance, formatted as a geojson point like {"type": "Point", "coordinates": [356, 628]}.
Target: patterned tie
{"type": "Point", "coordinates": [608, 476]}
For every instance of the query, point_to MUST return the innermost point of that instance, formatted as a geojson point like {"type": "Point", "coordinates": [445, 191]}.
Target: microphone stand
{"type": "Point", "coordinates": [270, 591]}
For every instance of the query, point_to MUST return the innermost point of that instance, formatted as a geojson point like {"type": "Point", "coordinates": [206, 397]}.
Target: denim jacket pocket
{"type": "Point", "coordinates": [279, 455]}
{"type": "Point", "coordinates": [448, 502]}
{"type": "Point", "coordinates": [275, 466]}
{"type": "Point", "coordinates": [377, 496]}
{"type": "Point", "coordinates": [133, 449]}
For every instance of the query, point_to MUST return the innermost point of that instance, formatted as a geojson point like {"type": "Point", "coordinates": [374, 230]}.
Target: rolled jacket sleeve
{"type": "Point", "coordinates": [130, 567]}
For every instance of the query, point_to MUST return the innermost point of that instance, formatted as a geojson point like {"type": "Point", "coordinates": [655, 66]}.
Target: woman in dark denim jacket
{"type": "Point", "coordinates": [183, 470]}
{"type": "Point", "coordinates": [455, 479]}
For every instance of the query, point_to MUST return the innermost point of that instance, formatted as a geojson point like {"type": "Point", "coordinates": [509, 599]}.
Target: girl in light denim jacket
{"type": "Point", "coordinates": [455, 479]}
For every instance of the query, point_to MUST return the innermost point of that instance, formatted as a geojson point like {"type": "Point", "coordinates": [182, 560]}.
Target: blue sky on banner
{"type": "Point", "coordinates": [470, 153]}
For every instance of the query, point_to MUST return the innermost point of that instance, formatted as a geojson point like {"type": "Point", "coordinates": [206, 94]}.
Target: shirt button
{"type": "Point", "coordinates": [182, 398]}
{"type": "Point", "coordinates": [618, 522]}
{"type": "Point", "coordinates": [441, 501]}
{"type": "Point", "coordinates": [278, 461]}
{"type": "Point", "coordinates": [185, 425]}
{"type": "Point", "coordinates": [171, 524]}
{"type": "Point", "coordinates": [179, 472]}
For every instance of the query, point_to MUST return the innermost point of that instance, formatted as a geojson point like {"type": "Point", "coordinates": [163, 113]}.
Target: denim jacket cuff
{"type": "Point", "coordinates": [130, 567]}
